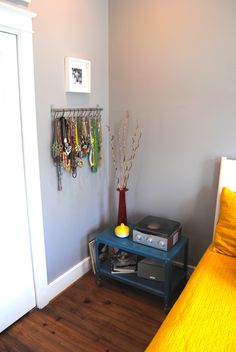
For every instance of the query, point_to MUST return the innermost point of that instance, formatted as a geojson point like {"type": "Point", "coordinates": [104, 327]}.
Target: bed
{"type": "Point", "coordinates": [203, 318]}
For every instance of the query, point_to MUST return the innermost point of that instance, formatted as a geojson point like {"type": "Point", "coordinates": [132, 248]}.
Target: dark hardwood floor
{"type": "Point", "coordinates": [109, 318]}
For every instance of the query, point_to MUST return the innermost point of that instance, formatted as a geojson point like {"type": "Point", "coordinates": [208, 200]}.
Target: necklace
{"type": "Point", "coordinates": [99, 128]}
{"type": "Point", "coordinates": [93, 154]}
{"type": "Point", "coordinates": [57, 150]}
{"type": "Point", "coordinates": [73, 165]}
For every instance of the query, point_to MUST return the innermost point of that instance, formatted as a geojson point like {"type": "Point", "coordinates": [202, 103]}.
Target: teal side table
{"type": "Point", "coordinates": [174, 275]}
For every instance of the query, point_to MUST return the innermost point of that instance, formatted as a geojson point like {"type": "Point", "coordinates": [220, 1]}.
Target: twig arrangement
{"type": "Point", "coordinates": [119, 151]}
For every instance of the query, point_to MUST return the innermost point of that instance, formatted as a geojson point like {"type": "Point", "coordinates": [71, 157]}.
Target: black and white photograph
{"type": "Point", "coordinates": [77, 75]}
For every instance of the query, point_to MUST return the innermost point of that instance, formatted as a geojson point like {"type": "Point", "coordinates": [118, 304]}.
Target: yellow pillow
{"type": "Point", "coordinates": [225, 232]}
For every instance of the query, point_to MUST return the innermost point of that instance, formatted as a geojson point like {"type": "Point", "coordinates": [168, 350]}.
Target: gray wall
{"type": "Point", "coordinates": [75, 28]}
{"type": "Point", "coordinates": [173, 66]}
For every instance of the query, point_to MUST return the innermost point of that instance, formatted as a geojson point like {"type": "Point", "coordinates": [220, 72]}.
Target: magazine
{"type": "Point", "coordinates": [103, 252]}
{"type": "Point", "coordinates": [92, 255]}
{"type": "Point", "coordinates": [124, 263]}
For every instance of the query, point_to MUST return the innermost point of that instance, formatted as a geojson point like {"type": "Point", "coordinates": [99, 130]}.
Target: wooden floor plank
{"type": "Point", "coordinates": [84, 318]}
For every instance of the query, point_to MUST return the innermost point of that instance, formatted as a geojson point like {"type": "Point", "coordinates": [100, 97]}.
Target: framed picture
{"type": "Point", "coordinates": [77, 75]}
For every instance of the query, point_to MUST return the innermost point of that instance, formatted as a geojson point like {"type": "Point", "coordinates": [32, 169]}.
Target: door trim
{"type": "Point", "coordinates": [19, 22]}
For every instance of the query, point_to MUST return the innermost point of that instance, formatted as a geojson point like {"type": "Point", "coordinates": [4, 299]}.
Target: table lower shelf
{"type": "Point", "coordinates": [148, 285]}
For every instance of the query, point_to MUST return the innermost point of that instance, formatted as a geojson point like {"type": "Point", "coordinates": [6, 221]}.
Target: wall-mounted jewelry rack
{"type": "Point", "coordinates": [76, 112]}
{"type": "Point", "coordinates": [77, 136]}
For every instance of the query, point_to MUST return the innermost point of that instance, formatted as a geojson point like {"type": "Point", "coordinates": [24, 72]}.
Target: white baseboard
{"type": "Point", "coordinates": [68, 278]}
{"type": "Point", "coordinates": [190, 268]}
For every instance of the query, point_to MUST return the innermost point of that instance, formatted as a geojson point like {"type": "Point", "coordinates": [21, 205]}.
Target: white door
{"type": "Point", "coordinates": [17, 294]}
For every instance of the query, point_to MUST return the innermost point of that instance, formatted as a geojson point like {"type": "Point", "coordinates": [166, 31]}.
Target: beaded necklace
{"type": "Point", "coordinates": [93, 155]}
{"type": "Point", "coordinates": [74, 139]}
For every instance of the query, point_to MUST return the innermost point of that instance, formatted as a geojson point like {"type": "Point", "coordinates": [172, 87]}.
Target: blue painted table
{"type": "Point", "coordinates": [175, 275]}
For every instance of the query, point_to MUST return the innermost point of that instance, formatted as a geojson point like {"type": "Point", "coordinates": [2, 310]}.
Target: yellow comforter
{"type": "Point", "coordinates": [204, 317]}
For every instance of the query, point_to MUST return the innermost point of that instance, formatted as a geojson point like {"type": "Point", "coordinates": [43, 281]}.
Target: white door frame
{"type": "Point", "coordinates": [18, 21]}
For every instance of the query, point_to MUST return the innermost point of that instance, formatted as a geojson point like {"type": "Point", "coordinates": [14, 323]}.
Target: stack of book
{"type": "Point", "coordinates": [124, 263]}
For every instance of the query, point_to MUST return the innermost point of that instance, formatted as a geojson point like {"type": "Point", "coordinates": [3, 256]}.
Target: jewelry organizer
{"type": "Point", "coordinates": [77, 136]}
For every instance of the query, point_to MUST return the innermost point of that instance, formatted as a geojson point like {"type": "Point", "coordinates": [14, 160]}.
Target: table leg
{"type": "Point", "coordinates": [168, 282]}
{"type": "Point", "coordinates": [186, 262]}
{"type": "Point", "coordinates": [97, 265]}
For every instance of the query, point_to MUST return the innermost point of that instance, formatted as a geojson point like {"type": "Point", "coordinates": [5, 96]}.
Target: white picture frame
{"type": "Point", "coordinates": [77, 75]}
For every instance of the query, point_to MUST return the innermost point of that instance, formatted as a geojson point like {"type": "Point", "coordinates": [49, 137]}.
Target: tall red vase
{"type": "Point", "coordinates": [122, 215]}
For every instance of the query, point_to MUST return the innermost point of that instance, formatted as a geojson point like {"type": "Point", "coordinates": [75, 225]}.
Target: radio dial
{"type": "Point", "coordinates": [139, 237]}
{"type": "Point", "coordinates": [162, 244]}
{"type": "Point", "coordinates": [150, 240]}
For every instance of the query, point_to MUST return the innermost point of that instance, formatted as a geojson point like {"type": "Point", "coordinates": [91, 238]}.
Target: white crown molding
{"type": "Point", "coordinates": [15, 17]}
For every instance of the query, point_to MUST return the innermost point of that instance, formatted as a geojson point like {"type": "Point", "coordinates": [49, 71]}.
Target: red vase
{"type": "Point", "coordinates": [122, 215]}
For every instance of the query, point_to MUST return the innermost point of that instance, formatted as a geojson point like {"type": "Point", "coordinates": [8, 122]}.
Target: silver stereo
{"type": "Point", "coordinates": [157, 232]}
